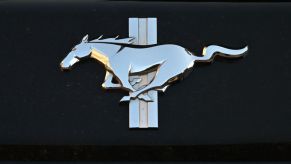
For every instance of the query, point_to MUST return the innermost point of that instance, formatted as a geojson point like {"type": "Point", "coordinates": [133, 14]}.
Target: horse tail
{"type": "Point", "coordinates": [211, 51]}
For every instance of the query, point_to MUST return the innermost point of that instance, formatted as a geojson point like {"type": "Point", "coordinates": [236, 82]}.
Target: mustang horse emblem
{"type": "Point", "coordinates": [122, 59]}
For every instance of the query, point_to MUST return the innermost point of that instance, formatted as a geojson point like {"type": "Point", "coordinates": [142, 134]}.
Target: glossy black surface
{"type": "Point", "coordinates": [249, 97]}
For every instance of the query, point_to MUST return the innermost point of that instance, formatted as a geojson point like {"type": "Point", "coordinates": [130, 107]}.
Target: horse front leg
{"type": "Point", "coordinates": [107, 84]}
{"type": "Point", "coordinates": [162, 78]}
{"type": "Point", "coordinates": [122, 74]}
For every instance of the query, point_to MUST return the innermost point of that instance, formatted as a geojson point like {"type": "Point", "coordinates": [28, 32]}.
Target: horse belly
{"type": "Point", "coordinates": [142, 59]}
{"type": "Point", "coordinates": [140, 67]}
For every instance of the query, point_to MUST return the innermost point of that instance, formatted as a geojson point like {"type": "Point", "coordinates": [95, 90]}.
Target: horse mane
{"type": "Point", "coordinates": [113, 40]}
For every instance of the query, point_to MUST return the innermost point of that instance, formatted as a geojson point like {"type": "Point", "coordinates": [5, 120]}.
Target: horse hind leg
{"type": "Point", "coordinates": [164, 75]}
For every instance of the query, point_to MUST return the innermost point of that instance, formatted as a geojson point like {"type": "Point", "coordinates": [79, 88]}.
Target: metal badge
{"type": "Point", "coordinates": [142, 67]}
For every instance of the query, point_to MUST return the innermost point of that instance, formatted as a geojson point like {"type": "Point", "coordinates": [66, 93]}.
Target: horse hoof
{"type": "Point", "coordinates": [125, 99]}
{"type": "Point", "coordinates": [104, 86]}
{"type": "Point", "coordinates": [146, 98]}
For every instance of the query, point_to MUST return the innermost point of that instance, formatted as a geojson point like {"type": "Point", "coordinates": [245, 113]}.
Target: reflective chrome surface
{"type": "Point", "coordinates": [143, 111]}
{"type": "Point", "coordinates": [121, 60]}
{"type": "Point", "coordinates": [145, 69]}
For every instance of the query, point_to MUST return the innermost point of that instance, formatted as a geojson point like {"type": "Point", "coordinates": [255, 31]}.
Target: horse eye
{"type": "Point", "coordinates": [73, 49]}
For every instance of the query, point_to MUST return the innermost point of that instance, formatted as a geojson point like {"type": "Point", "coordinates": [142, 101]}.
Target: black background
{"type": "Point", "coordinates": [242, 101]}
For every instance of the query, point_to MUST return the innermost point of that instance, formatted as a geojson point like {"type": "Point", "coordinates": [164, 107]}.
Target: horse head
{"type": "Point", "coordinates": [79, 51]}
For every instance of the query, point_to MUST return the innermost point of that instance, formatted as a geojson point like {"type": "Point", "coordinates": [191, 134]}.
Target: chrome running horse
{"type": "Point", "coordinates": [122, 59]}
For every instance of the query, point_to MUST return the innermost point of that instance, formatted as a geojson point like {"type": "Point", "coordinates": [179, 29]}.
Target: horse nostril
{"type": "Point", "coordinates": [65, 69]}
{"type": "Point", "coordinates": [62, 65]}
{"type": "Point", "coordinates": [74, 60]}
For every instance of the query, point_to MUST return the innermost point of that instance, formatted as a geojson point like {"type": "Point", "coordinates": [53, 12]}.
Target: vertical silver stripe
{"type": "Point", "coordinates": [133, 29]}
{"type": "Point", "coordinates": [152, 106]}
{"type": "Point", "coordinates": [134, 113]}
{"type": "Point", "coordinates": [143, 106]}
{"type": "Point", "coordinates": [142, 31]}
{"type": "Point", "coordinates": [153, 110]}
{"type": "Point", "coordinates": [133, 104]}
{"type": "Point", "coordinates": [152, 31]}
{"type": "Point", "coordinates": [144, 114]}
